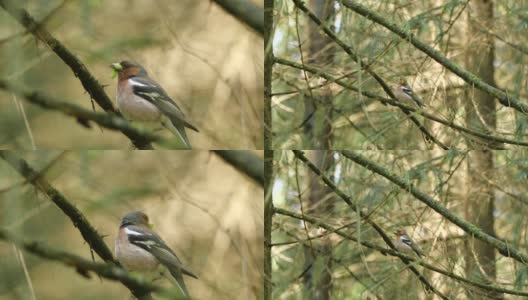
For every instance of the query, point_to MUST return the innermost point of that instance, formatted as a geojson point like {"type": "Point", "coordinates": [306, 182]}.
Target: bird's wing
{"type": "Point", "coordinates": [407, 90]}
{"type": "Point", "coordinates": [417, 100]}
{"type": "Point", "coordinates": [151, 242]}
{"type": "Point", "coordinates": [407, 241]}
{"type": "Point", "coordinates": [151, 91]}
{"type": "Point", "coordinates": [417, 249]}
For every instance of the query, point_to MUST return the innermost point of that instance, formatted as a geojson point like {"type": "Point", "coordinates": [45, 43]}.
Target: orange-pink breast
{"type": "Point", "coordinates": [134, 258]}
{"type": "Point", "coordinates": [134, 107]}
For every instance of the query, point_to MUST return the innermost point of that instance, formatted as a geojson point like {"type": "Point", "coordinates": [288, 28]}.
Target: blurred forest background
{"type": "Point", "coordinates": [206, 59]}
{"type": "Point", "coordinates": [336, 62]}
{"type": "Point", "coordinates": [326, 203]}
{"type": "Point", "coordinates": [207, 211]}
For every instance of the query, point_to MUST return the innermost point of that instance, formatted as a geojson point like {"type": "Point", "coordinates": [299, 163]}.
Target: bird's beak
{"type": "Point", "coordinates": [116, 66]}
{"type": "Point", "coordinates": [150, 225]}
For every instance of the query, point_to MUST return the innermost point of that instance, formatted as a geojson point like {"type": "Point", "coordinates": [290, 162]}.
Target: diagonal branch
{"type": "Point", "coordinates": [470, 78]}
{"type": "Point", "coordinates": [245, 11]}
{"type": "Point", "coordinates": [435, 118]}
{"type": "Point", "coordinates": [90, 84]}
{"type": "Point", "coordinates": [82, 115]}
{"type": "Point", "coordinates": [469, 228]}
{"type": "Point", "coordinates": [348, 200]}
{"type": "Point", "coordinates": [88, 232]}
{"type": "Point", "coordinates": [367, 68]}
{"type": "Point", "coordinates": [82, 265]}
{"type": "Point", "coordinates": [246, 162]}
{"type": "Point", "coordinates": [385, 251]}
{"type": "Point", "coordinates": [300, 155]}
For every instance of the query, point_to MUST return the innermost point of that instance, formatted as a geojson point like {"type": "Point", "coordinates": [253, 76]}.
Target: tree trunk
{"type": "Point", "coordinates": [318, 111]}
{"type": "Point", "coordinates": [480, 106]}
{"type": "Point", "coordinates": [318, 277]}
{"type": "Point", "coordinates": [480, 114]}
{"type": "Point", "coordinates": [268, 146]}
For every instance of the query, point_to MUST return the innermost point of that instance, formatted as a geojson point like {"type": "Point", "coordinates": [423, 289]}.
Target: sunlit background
{"type": "Point", "coordinates": [206, 60]}
{"type": "Point", "coordinates": [208, 212]}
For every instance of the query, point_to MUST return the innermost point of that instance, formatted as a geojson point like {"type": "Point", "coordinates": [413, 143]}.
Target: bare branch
{"type": "Point", "coordinates": [246, 162]}
{"type": "Point", "coordinates": [245, 11]}
{"type": "Point", "coordinates": [348, 200]}
{"type": "Point", "coordinates": [398, 254]}
{"type": "Point", "coordinates": [82, 266]}
{"type": "Point", "coordinates": [88, 232]}
{"type": "Point", "coordinates": [470, 78]}
{"type": "Point", "coordinates": [469, 228]}
{"type": "Point", "coordinates": [90, 84]}
{"type": "Point", "coordinates": [435, 118]}
{"type": "Point", "coordinates": [367, 68]}
{"type": "Point", "coordinates": [82, 115]}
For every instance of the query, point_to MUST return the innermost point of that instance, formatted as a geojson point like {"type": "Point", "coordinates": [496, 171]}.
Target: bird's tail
{"type": "Point", "coordinates": [418, 100]}
{"type": "Point", "coordinates": [417, 250]}
{"type": "Point", "coordinates": [177, 280]}
{"type": "Point", "coordinates": [178, 130]}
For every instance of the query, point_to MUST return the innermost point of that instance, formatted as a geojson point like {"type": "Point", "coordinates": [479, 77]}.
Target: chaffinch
{"type": "Point", "coordinates": [405, 94]}
{"type": "Point", "coordinates": [138, 248]}
{"type": "Point", "coordinates": [140, 98]}
{"type": "Point", "coordinates": [405, 244]}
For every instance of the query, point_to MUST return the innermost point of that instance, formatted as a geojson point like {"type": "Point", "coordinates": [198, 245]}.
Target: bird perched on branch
{"type": "Point", "coordinates": [406, 95]}
{"type": "Point", "coordinates": [405, 244]}
{"type": "Point", "coordinates": [139, 248]}
{"type": "Point", "coordinates": [140, 98]}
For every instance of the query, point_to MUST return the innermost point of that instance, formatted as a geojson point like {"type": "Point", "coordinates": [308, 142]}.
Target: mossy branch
{"type": "Point", "coordinates": [343, 83]}
{"type": "Point", "coordinates": [470, 78]}
{"type": "Point", "coordinates": [88, 81]}
{"type": "Point", "coordinates": [82, 115]}
{"type": "Point", "coordinates": [83, 266]}
{"type": "Point", "coordinates": [392, 252]}
{"type": "Point", "coordinates": [365, 217]}
{"type": "Point", "coordinates": [471, 229]}
{"type": "Point", "coordinates": [88, 232]}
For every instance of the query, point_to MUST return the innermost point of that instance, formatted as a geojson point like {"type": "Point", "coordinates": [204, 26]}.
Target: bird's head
{"type": "Point", "coordinates": [126, 69]}
{"type": "Point", "coordinates": [137, 218]}
{"type": "Point", "coordinates": [400, 232]}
